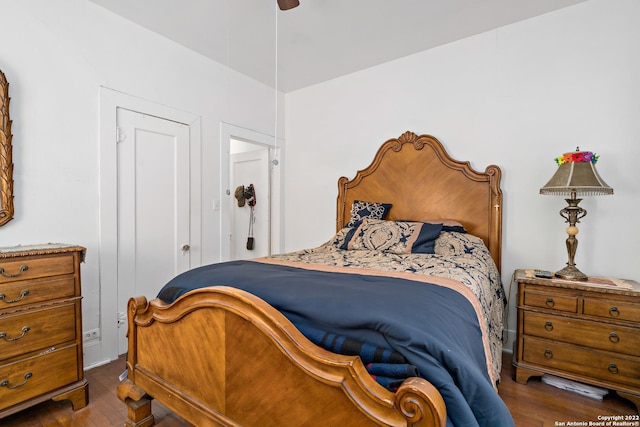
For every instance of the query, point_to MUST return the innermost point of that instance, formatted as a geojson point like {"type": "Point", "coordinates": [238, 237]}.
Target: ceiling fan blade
{"type": "Point", "coordinates": [288, 4]}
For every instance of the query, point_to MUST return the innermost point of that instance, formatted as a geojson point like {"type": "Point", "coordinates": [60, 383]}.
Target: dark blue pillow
{"type": "Point", "coordinates": [454, 228]}
{"type": "Point", "coordinates": [361, 210]}
{"type": "Point", "coordinates": [426, 239]}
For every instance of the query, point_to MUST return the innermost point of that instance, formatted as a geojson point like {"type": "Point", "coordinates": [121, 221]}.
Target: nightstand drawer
{"type": "Point", "coordinates": [26, 268]}
{"type": "Point", "coordinates": [585, 333]}
{"type": "Point", "coordinates": [612, 310]}
{"type": "Point", "coordinates": [33, 330]}
{"type": "Point", "coordinates": [18, 294]}
{"type": "Point", "coordinates": [551, 301]}
{"type": "Point", "coordinates": [583, 362]}
{"type": "Point", "coordinates": [37, 375]}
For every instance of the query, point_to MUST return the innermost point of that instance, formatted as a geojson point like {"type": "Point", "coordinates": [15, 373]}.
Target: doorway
{"type": "Point", "coordinates": [250, 217]}
{"type": "Point", "coordinates": [113, 103]}
{"type": "Point", "coordinates": [250, 157]}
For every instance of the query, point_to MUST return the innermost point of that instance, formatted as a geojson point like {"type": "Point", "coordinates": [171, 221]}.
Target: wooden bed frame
{"type": "Point", "coordinates": [221, 356]}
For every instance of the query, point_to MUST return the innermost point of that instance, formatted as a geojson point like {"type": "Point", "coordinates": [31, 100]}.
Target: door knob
{"type": "Point", "coordinates": [185, 248]}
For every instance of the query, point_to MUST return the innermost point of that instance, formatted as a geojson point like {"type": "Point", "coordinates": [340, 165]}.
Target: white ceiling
{"type": "Point", "coordinates": [320, 39]}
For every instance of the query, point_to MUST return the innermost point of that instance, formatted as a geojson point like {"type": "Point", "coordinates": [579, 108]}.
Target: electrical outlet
{"type": "Point", "coordinates": [93, 334]}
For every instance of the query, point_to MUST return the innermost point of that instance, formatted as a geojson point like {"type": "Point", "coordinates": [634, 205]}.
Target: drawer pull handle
{"type": "Point", "coordinates": [23, 294]}
{"type": "Point", "coordinates": [5, 383]}
{"type": "Point", "coordinates": [614, 312]}
{"type": "Point", "coordinates": [548, 326]}
{"type": "Point", "coordinates": [614, 338]}
{"type": "Point", "coordinates": [23, 268]}
{"type": "Point", "coordinates": [613, 368]}
{"type": "Point", "coordinates": [25, 329]}
{"type": "Point", "coordinates": [548, 354]}
{"type": "Point", "coordinates": [550, 302]}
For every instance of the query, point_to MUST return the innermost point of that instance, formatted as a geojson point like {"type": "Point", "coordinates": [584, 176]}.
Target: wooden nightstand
{"type": "Point", "coordinates": [40, 326]}
{"type": "Point", "coordinates": [587, 332]}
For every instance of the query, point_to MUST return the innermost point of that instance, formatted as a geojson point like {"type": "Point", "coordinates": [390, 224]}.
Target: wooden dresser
{"type": "Point", "coordinates": [40, 326]}
{"type": "Point", "coordinates": [584, 332]}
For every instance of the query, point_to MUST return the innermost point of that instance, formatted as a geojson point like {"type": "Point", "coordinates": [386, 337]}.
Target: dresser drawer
{"type": "Point", "coordinates": [612, 309]}
{"type": "Point", "coordinates": [589, 364]}
{"type": "Point", "coordinates": [585, 333]}
{"type": "Point", "coordinates": [37, 375]}
{"type": "Point", "coordinates": [552, 301]}
{"type": "Point", "coordinates": [27, 268]}
{"type": "Point", "coordinates": [18, 294]}
{"type": "Point", "coordinates": [32, 330]}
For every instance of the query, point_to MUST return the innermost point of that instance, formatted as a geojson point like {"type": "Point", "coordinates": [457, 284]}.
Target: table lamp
{"type": "Point", "coordinates": [576, 177]}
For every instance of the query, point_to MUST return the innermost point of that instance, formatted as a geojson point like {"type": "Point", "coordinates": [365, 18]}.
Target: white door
{"type": "Point", "coordinates": [153, 207]}
{"type": "Point", "coordinates": [247, 168]}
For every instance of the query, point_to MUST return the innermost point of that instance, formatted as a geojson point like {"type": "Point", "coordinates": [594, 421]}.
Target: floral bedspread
{"type": "Point", "coordinates": [458, 256]}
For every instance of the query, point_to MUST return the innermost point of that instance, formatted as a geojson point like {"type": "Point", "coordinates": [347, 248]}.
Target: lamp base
{"type": "Point", "coordinates": [570, 272]}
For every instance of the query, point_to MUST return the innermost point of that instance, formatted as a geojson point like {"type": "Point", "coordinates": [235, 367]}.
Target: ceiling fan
{"type": "Point", "coordinates": [288, 4]}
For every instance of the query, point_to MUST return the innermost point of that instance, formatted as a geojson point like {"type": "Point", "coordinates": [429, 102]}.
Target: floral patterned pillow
{"type": "Point", "coordinates": [399, 237]}
{"type": "Point", "coordinates": [453, 243]}
{"type": "Point", "coordinates": [338, 239]}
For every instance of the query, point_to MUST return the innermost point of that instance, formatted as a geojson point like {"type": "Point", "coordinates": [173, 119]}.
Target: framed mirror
{"type": "Point", "coordinates": [6, 162]}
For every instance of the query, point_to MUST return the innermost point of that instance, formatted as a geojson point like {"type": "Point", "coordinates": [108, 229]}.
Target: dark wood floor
{"type": "Point", "coordinates": [533, 405]}
{"type": "Point", "coordinates": [104, 408]}
{"type": "Point", "coordinates": [537, 404]}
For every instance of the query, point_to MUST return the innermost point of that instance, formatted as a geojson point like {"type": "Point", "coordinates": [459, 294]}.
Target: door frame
{"type": "Point", "coordinates": [227, 133]}
{"type": "Point", "coordinates": [110, 101]}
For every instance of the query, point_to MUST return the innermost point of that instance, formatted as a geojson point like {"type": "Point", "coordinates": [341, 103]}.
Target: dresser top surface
{"type": "Point", "coordinates": [42, 249]}
{"type": "Point", "coordinates": [597, 284]}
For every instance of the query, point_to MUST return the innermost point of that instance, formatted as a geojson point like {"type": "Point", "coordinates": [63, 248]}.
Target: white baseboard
{"type": "Point", "coordinates": [93, 355]}
{"type": "Point", "coordinates": [507, 346]}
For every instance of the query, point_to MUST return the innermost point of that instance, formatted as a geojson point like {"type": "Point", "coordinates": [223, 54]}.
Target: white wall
{"type": "Point", "coordinates": [56, 56]}
{"type": "Point", "coordinates": [517, 97]}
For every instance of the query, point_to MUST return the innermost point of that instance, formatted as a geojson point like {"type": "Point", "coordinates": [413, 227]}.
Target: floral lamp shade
{"type": "Point", "coordinates": [577, 173]}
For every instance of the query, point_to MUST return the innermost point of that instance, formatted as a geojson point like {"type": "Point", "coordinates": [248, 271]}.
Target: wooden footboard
{"type": "Point", "coordinates": [221, 356]}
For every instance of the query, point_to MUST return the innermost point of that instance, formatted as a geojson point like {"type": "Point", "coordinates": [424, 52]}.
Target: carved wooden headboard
{"type": "Point", "coordinates": [416, 175]}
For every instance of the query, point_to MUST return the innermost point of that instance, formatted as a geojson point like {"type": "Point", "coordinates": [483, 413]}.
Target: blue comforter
{"type": "Point", "coordinates": [433, 327]}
